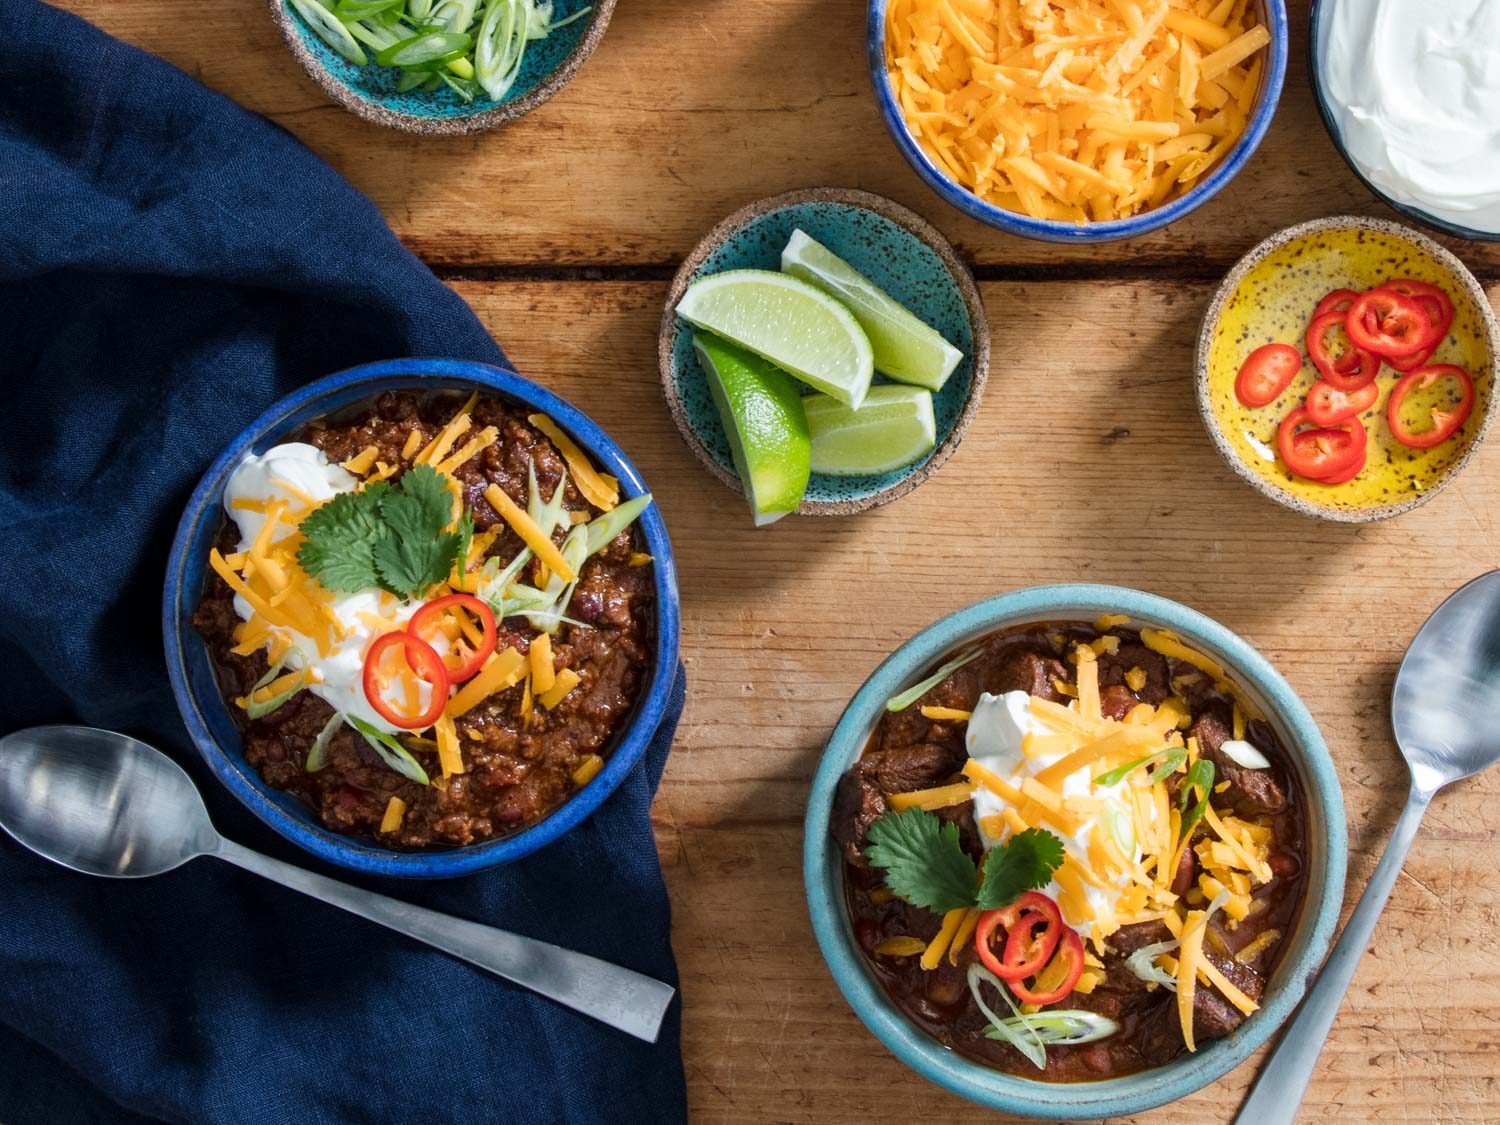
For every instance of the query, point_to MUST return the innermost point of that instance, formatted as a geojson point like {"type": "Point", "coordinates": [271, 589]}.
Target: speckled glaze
{"type": "Point", "coordinates": [1270, 295]}
{"type": "Point", "coordinates": [1272, 15]}
{"type": "Point", "coordinates": [370, 90]}
{"type": "Point", "coordinates": [895, 249]}
{"type": "Point", "coordinates": [1327, 857]}
{"type": "Point", "coordinates": [1316, 49]}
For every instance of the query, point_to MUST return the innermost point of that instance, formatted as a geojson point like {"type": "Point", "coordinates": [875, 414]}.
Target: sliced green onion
{"type": "Point", "coordinates": [419, 9]}
{"type": "Point", "coordinates": [455, 15]}
{"type": "Point", "coordinates": [1245, 754]}
{"type": "Point", "coordinates": [1201, 778]}
{"type": "Point", "coordinates": [317, 753]}
{"type": "Point", "coordinates": [578, 15]}
{"type": "Point", "coordinates": [410, 80]}
{"type": "Point", "coordinates": [501, 45]}
{"type": "Point", "coordinates": [431, 48]}
{"type": "Point", "coordinates": [329, 28]}
{"type": "Point", "coordinates": [347, 10]}
{"type": "Point", "coordinates": [603, 529]}
{"type": "Point", "coordinates": [265, 707]}
{"type": "Point", "coordinates": [1067, 1028]}
{"type": "Point", "coordinates": [1175, 755]}
{"type": "Point", "coordinates": [373, 35]}
{"type": "Point", "coordinates": [917, 691]}
{"type": "Point", "coordinates": [391, 752]}
{"type": "Point", "coordinates": [1017, 1032]}
{"type": "Point", "coordinates": [1143, 964]}
{"type": "Point", "coordinates": [574, 552]}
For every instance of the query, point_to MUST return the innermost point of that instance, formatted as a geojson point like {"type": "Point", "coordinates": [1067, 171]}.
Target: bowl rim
{"type": "Point", "coordinates": [1056, 230]}
{"type": "Point", "coordinates": [1325, 113]}
{"type": "Point", "coordinates": [460, 124]}
{"type": "Point", "coordinates": [914, 225]}
{"type": "Point", "coordinates": [823, 879]}
{"type": "Point", "coordinates": [180, 597]}
{"type": "Point", "coordinates": [1248, 261]}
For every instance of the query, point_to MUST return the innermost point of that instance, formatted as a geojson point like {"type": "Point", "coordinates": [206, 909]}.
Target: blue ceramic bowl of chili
{"type": "Point", "coordinates": [196, 688]}
{"type": "Point", "coordinates": [1273, 17]}
{"type": "Point", "coordinates": [1326, 851]}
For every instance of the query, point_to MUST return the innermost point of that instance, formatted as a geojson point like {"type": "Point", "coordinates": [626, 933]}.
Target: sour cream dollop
{"type": "Point", "coordinates": [338, 676]}
{"type": "Point", "coordinates": [1412, 88]}
{"type": "Point", "coordinates": [996, 729]}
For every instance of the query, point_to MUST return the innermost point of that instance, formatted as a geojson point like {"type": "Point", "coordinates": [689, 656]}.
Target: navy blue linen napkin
{"type": "Point", "coordinates": [170, 265]}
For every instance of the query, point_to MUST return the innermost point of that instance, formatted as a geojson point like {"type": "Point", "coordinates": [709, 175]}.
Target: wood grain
{"type": "Point", "coordinates": [1088, 461]}
{"type": "Point", "coordinates": [689, 110]}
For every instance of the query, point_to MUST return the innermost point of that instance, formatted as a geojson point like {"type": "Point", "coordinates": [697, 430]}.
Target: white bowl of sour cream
{"type": "Point", "coordinates": [1409, 91]}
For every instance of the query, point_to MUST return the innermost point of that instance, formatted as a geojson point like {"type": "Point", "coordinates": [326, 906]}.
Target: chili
{"type": "Point", "coordinates": [1445, 423]}
{"type": "Point", "coordinates": [1320, 452]}
{"type": "Point", "coordinates": [455, 603]}
{"type": "Point", "coordinates": [1328, 405]}
{"type": "Point", "coordinates": [1266, 372]}
{"type": "Point", "coordinates": [424, 661]}
{"type": "Point", "coordinates": [1349, 371]}
{"type": "Point", "coordinates": [1386, 323]}
{"type": "Point", "coordinates": [1024, 952]}
{"type": "Point", "coordinates": [1070, 949]}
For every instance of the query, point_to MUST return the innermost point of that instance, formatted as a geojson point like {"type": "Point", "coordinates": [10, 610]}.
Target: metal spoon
{"type": "Point", "coordinates": [1444, 712]}
{"type": "Point", "coordinates": [105, 804]}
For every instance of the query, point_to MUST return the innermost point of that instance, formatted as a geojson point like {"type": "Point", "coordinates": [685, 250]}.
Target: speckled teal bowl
{"type": "Point", "coordinates": [1327, 857]}
{"type": "Point", "coordinates": [894, 248]}
{"type": "Point", "coordinates": [370, 90]}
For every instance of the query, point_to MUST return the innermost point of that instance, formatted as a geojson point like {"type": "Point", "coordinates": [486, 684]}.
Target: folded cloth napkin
{"type": "Point", "coordinates": [170, 265]}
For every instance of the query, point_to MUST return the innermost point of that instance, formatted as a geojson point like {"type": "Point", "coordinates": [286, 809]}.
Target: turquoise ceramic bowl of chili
{"type": "Point", "coordinates": [370, 91]}
{"type": "Point", "coordinates": [894, 248]}
{"type": "Point", "coordinates": [1135, 1093]}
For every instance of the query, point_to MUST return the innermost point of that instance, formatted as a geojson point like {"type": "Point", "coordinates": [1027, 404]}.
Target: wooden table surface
{"type": "Point", "coordinates": [1087, 461]}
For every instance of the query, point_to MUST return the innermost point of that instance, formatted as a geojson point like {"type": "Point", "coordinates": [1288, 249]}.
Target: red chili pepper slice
{"type": "Point", "coordinates": [1434, 300]}
{"type": "Point", "coordinates": [424, 661]}
{"type": "Point", "coordinates": [430, 613]}
{"type": "Point", "coordinates": [1337, 301]}
{"type": "Point", "coordinates": [1266, 372]}
{"type": "Point", "coordinates": [1027, 951]}
{"type": "Point", "coordinates": [1405, 363]}
{"type": "Point", "coordinates": [1070, 949]}
{"type": "Point", "coordinates": [1386, 323]}
{"type": "Point", "coordinates": [1321, 452]}
{"type": "Point", "coordinates": [1328, 405]}
{"type": "Point", "coordinates": [1029, 911]}
{"type": "Point", "coordinates": [1445, 423]}
{"type": "Point", "coordinates": [1349, 371]}
{"type": "Point", "coordinates": [1348, 474]}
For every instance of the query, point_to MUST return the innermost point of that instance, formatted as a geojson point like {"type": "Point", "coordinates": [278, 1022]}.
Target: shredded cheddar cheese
{"type": "Point", "coordinates": [1074, 110]}
{"type": "Point", "coordinates": [599, 489]}
{"type": "Point", "coordinates": [540, 543]}
{"type": "Point", "coordinates": [567, 680]}
{"type": "Point", "coordinates": [586, 770]}
{"type": "Point", "coordinates": [395, 811]}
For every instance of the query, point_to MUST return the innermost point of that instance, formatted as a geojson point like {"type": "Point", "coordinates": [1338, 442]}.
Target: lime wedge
{"type": "Point", "coordinates": [797, 327]}
{"type": "Point", "coordinates": [905, 348]}
{"type": "Point", "coordinates": [893, 428]}
{"type": "Point", "coordinates": [762, 414]}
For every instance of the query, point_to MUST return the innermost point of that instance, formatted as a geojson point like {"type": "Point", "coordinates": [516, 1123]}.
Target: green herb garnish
{"type": "Point", "coordinates": [391, 752]}
{"type": "Point", "coordinates": [391, 538]}
{"type": "Point", "coordinates": [1171, 758]}
{"type": "Point", "coordinates": [917, 691]}
{"type": "Point", "coordinates": [926, 866]}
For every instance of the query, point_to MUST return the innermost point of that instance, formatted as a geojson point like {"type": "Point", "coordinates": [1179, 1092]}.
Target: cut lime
{"type": "Point", "coordinates": [905, 348]}
{"type": "Point", "coordinates": [762, 414]}
{"type": "Point", "coordinates": [796, 326]}
{"type": "Point", "coordinates": [893, 428]}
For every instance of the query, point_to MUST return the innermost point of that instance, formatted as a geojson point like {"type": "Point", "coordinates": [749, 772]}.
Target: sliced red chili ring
{"type": "Point", "coordinates": [1328, 405]}
{"type": "Point", "coordinates": [1030, 910]}
{"type": "Point", "coordinates": [430, 613]}
{"type": "Point", "coordinates": [1434, 300]}
{"type": "Point", "coordinates": [1405, 363]}
{"type": "Point", "coordinates": [1320, 452]}
{"type": "Point", "coordinates": [1337, 301]}
{"type": "Point", "coordinates": [1349, 371]}
{"type": "Point", "coordinates": [1266, 372]}
{"type": "Point", "coordinates": [1027, 951]}
{"type": "Point", "coordinates": [1386, 323]}
{"type": "Point", "coordinates": [1348, 474]}
{"type": "Point", "coordinates": [1445, 423]}
{"type": "Point", "coordinates": [1070, 948]}
{"type": "Point", "coordinates": [424, 661]}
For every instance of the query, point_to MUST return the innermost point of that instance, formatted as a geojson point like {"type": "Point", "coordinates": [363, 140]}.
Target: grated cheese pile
{"type": "Point", "coordinates": [1075, 110]}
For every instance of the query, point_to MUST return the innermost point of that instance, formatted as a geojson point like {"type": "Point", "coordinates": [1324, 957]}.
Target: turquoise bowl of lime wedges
{"type": "Point", "coordinates": [441, 66]}
{"type": "Point", "coordinates": [822, 352]}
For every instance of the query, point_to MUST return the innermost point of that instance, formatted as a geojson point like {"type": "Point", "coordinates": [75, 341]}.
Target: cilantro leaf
{"type": "Point", "coordinates": [341, 538]}
{"type": "Point", "coordinates": [422, 507]}
{"type": "Point", "coordinates": [923, 860]}
{"type": "Point", "coordinates": [1023, 863]}
{"type": "Point", "coordinates": [409, 566]}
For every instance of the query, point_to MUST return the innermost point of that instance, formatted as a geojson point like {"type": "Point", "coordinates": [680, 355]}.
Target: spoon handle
{"type": "Point", "coordinates": [620, 997]}
{"type": "Point", "coordinates": [1278, 1091]}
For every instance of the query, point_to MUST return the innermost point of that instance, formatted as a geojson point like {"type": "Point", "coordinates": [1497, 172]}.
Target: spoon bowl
{"type": "Point", "coordinates": [1443, 710]}
{"type": "Point", "coordinates": [99, 802]}
{"type": "Point", "coordinates": [105, 804]}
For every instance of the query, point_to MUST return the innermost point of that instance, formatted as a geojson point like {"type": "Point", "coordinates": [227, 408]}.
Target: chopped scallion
{"type": "Point", "coordinates": [917, 691]}
{"type": "Point", "coordinates": [391, 752]}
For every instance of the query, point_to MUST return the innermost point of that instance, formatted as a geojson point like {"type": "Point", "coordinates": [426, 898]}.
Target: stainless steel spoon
{"type": "Point", "coordinates": [105, 804]}
{"type": "Point", "coordinates": [1444, 712]}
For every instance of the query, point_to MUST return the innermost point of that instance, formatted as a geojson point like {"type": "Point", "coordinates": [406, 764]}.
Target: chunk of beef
{"type": "Point", "coordinates": [1114, 666]}
{"type": "Point", "coordinates": [1127, 939]}
{"type": "Point", "coordinates": [968, 832]}
{"type": "Point", "coordinates": [1213, 1016]}
{"type": "Point", "coordinates": [857, 804]}
{"type": "Point", "coordinates": [1116, 701]}
{"type": "Point", "coordinates": [1250, 792]}
{"type": "Point", "coordinates": [901, 769]}
{"type": "Point", "coordinates": [1033, 673]}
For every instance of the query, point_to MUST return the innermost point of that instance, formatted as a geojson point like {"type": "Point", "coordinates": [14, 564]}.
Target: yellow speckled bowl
{"type": "Point", "coordinates": [1270, 295]}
